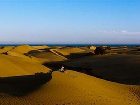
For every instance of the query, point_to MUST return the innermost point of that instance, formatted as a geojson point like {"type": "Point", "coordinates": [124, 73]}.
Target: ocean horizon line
{"type": "Point", "coordinates": [82, 44]}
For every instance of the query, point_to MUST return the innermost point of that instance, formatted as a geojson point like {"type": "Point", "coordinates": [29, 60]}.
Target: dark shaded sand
{"type": "Point", "coordinates": [118, 68]}
{"type": "Point", "coordinates": [23, 85]}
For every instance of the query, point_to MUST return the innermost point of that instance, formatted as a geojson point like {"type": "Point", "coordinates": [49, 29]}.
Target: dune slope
{"type": "Point", "coordinates": [14, 66]}
{"type": "Point", "coordinates": [73, 88]}
{"type": "Point", "coordinates": [6, 48]}
{"type": "Point", "coordinates": [67, 51]}
{"type": "Point", "coordinates": [22, 49]}
{"type": "Point", "coordinates": [119, 68]}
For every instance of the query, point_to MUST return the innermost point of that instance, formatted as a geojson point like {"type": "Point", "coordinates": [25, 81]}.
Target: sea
{"type": "Point", "coordinates": [75, 45]}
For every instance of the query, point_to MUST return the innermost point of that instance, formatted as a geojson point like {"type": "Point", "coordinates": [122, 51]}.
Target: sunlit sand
{"type": "Point", "coordinates": [69, 87]}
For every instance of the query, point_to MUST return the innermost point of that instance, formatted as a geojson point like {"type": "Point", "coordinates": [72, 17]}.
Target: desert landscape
{"type": "Point", "coordinates": [93, 75]}
{"type": "Point", "coordinates": [69, 52]}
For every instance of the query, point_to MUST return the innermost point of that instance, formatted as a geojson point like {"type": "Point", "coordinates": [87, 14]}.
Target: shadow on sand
{"type": "Point", "coordinates": [23, 85]}
{"type": "Point", "coordinates": [133, 80]}
{"type": "Point", "coordinates": [79, 55]}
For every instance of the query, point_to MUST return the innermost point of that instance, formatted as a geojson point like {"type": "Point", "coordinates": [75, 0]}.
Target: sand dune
{"type": "Point", "coordinates": [6, 48]}
{"type": "Point", "coordinates": [29, 53]}
{"type": "Point", "coordinates": [20, 52]}
{"type": "Point", "coordinates": [73, 88]}
{"type": "Point", "coordinates": [70, 87]}
{"type": "Point", "coordinates": [22, 49]}
{"type": "Point", "coordinates": [50, 56]}
{"type": "Point", "coordinates": [45, 55]}
{"type": "Point", "coordinates": [67, 51]}
{"type": "Point", "coordinates": [41, 47]}
{"type": "Point", "coordinates": [119, 68]}
{"type": "Point", "coordinates": [12, 66]}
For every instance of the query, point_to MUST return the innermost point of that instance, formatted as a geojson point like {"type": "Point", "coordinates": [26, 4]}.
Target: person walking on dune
{"type": "Point", "coordinates": [62, 69]}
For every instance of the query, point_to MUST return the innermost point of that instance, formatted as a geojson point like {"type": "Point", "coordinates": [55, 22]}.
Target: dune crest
{"type": "Point", "coordinates": [12, 66]}
{"type": "Point", "coordinates": [22, 49]}
{"type": "Point", "coordinates": [73, 88]}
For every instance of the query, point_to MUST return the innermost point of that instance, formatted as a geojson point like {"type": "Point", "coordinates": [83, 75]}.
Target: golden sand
{"type": "Point", "coordinates": [22, 49]}
{"type": "Point", "coordinates": [73, 88]}
{"type": "Point", "coordinates": [40, 47]}
{"type": "Point", "coordinates": [6, 48]}
{"type": "Point", "coordinates": [68, 88]}
{"type": "Point", "coordinates": [50, 57]}
{"type": "Point", "coordinates": [68, 51]}
{"type": "Point", "coordinates": [14, 66]}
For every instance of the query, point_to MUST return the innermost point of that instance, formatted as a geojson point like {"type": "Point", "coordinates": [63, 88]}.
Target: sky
{"type": "Point", "coordinates": [70, 21]}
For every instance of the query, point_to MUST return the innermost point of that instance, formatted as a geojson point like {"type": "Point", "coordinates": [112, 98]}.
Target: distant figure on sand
{"type": "Point", "coordinates": [62, 69]}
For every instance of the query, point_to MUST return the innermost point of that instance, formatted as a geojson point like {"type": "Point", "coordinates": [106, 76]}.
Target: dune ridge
{"type": "Point", "coordinates": [68, 88]}
{"type": "Point", "coordinates": [12, 66]}
{"type": "Point", "coordinates": [73, 88]}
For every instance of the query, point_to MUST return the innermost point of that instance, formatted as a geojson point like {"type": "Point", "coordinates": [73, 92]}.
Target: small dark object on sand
{"type": "Point", "coordinates": [100, 50]}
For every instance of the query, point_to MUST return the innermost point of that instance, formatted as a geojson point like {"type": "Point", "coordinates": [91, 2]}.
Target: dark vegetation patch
{"type": "Point", "coordinates": [2, 47]}
{"type": "Point", "coordinates": [5, 53]}
{"type": "Point", "coordinates": [100, 50]}
{"type": "Point", "coordinates": [23, 85]}
{"type": "Point", "coordinates": [36, 52]}
{"type": "Point", "coordinates": [32, 53]}
{"type": "Point", "coordinates": [45, 49]}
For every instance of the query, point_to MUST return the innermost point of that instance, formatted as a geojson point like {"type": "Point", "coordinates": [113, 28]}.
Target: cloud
{"type": "Point", "coordinates": [130, 32]}
{"type": "Point", "coordinates": [122, 32]}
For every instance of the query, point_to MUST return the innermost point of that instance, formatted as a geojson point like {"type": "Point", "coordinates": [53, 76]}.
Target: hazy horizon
{"type": "Point", "coordinates": [69, 22]}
